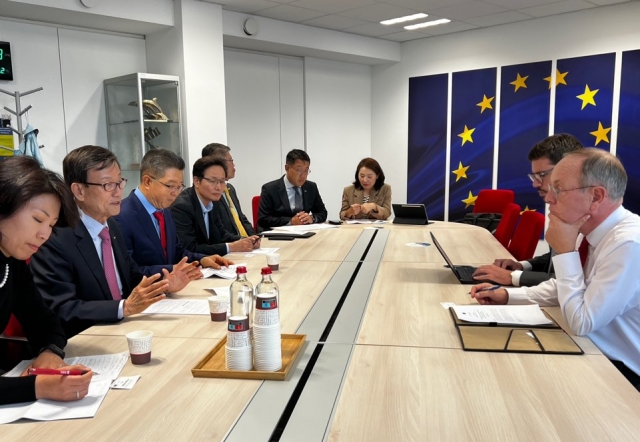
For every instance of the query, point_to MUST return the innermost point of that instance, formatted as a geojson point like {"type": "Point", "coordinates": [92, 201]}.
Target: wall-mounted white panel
{"type": "Point", "coordinates": [87, 59]}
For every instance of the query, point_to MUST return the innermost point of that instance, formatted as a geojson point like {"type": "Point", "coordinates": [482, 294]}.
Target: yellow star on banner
{"type": "Point", "coordinates": [460, 172]}
{"type": "Point", "coordinates": [527, 209]}
{"type": "Point", "coordinates": [466, 135]}
{"type": "Point", "coordinates": [519, 82]}
{"type": "Point", "coordinates": [587, 97]}
{"type": "Point", "coordinates": [601, 133]}
{"type": "Point", "coordinates": [485, 103]}
{"type": "Point", "coordinates": [470, 200]}
{"type": "Point", "coordinates": [559, 78]}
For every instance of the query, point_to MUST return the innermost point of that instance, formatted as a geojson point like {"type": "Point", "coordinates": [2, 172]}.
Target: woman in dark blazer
{"type": "Point", "coordinates": [368, 197]}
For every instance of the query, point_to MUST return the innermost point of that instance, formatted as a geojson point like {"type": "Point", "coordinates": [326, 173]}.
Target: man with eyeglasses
{"type": "Point", "coordinates": [543, 157]}
{"type": "Point", "coordinates": [149, 230]}
{"type": "Point", "coordinates": [597, 245]}
{"type": "Point", "coordinates": [196, 216]}
{"type": "Point", "coordinates": [228, 206]}
{"type": "Point", "coordinates": [291, 199]}
{"type": "Point", "coordinates": [85, 273]}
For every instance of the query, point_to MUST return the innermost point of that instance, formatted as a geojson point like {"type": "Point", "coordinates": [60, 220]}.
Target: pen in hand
{"type": "Point", "coordinates": [53, 371]}
{"type": "Point", "coordinates": [486, 289]}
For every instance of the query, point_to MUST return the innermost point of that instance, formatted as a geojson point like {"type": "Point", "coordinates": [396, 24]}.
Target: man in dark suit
{"type": "Point", "coordinates": [85, 273]}
{"type": "Point", "coordinates": [196, 215]}
{"type": "Point", "coordinates": [149, 230]}
{"type": "Point", "coordinates": [543, 156]}
{"type": "Point", "coordinates": [291, 200]}
{"type": "Point", "coordinates": [228, 206]}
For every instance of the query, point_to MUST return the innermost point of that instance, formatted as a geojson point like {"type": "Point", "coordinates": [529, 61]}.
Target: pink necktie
{"type": "Point", "coordinates": [108, 264]}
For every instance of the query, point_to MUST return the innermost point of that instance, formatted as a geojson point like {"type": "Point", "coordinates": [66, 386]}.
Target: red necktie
{"type": "Point", "coordinates": [108, 264]}
{"type": "Point", "coordinates": [583, 251]}
{"type": "Point", "coordinates": [159, 214]}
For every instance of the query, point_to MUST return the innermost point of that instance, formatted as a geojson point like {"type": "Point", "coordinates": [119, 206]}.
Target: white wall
{"type": "Point", "coordinates": [338, 125]}
{"type": "Point", "coordinates": [70, 66]}
{"type": "Point", "coordinates": [609, 29]}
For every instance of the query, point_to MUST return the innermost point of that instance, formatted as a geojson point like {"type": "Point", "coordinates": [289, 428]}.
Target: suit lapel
{"type": "Point", "coordinates": [197, 210]}
{"type": "Point", "coordinates": [87, 249]}
{"type": "Point", "coordinates": [121, 260]}
{"type": "Point", "coordinates": [147, 226]}
{"type": "Point", "coordinates": [357, 196]}
{"type": "Point", "coordinates": [284, 198]}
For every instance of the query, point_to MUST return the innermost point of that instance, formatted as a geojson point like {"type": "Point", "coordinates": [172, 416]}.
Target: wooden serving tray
{"type": "Point", "coordinates": [213, 364]}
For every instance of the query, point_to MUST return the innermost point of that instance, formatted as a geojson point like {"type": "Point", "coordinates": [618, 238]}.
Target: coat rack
{"type": "Point", "coordinates": [19, 111]}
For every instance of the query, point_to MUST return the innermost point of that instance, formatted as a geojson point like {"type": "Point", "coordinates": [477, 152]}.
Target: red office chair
{"type": "Point", "coordinates": [507, 225]}
{"type": "Point", "coordinates": [525, 238]}
{"type": "Point", "coordinates": [493, 200]}
{"type": "Point", "coordinates": [255, 205]}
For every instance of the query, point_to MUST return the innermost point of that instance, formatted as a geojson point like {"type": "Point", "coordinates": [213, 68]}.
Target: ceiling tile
{"type": "Point", "coordinates": [371, 29]}
{"type": "Point", "coordinates": [403, 36]}
{"type": "Point", "coordinates": [334, 22]}
{"type": "Point", "coordinates": [463, 11]}
{"type": "Point", "coordinates": [378, 12]}
{"type": "Point", "coordinates": [447, 28]}
{"type": "Point", "coordinates": [519, 4]}
{"type": "Point", "coordinates": [426, 5]}
{"type": "Point", "coordinates": [290, 13]}
{"type": "Point", "coordinates": [557, 8]}
{"type": "Point", "coordinates": [332, 6]}
{"type": "Point", "coordinates": [607, 2]}
{"type": "Point", "coordinates": [498, 19]}
{"type": "Point", "coordinates": [246, 6]}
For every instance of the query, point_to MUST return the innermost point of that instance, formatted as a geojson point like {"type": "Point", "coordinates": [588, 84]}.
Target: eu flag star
{"type": "Point", "coordinates": [601, 133]}
{"type": "Point", "coordinates": [519, 82]}
{"type": "Point", "coordinates": [587, 97]}
{"type": "Point", "coordinates": [559, 78]}
{"type": "Point", "coordinates": [527, 209]}
{"type": "Point", "coordinates": [460, 172]}
{"type": "Point", "coordinates": [485, 103]}
{"type": "Point", "coordinates": [466, 135]}
{"type": "Point", "coordinates": [470, 200]}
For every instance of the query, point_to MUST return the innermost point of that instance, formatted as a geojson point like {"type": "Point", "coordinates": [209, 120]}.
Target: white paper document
{"type": "Point", "coordinates": [125, 382]}
{"type": "Point", "coordinates": [305, 228]}
{"type": "Point", "coordinates": [502, 314]}
{"type": "Point", "coordinates": [109, 367]}
{"type": "Point", "coordinates": [263, 251]}
{"type": "Point", "coordinates": [222, 272]}
{"type": "Point", "coordinates": [365, 221]}
{"type": "Point", "coordinates": [220, 291]}
{"type": "Point", "coordinates": [179, 307]}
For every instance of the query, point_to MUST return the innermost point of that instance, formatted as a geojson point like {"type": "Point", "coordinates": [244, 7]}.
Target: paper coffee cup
{"type": "Point", "coordinates": [273, 261]}
{"type": "Point", "coordinates": [218, 306]}
{"type": "Point", "coordinates": [140, 346]}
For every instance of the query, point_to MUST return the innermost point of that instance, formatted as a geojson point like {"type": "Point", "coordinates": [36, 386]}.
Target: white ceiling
{"type": "Point", "coordinates": [363, 16]}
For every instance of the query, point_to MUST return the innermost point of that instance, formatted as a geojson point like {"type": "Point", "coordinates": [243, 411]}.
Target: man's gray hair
{"type": "Point", "coordinates": [601, 168]}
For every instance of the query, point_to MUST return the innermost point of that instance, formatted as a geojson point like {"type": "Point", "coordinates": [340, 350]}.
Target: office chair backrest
{"type": "Point", "coordinates": [493, 200]}
{"type": "Point", "coordinates": [525, 238]}
{"type": "Point", "coordinates": [255, 205]}
{"type": "Point", "coordinates": [507, 224]}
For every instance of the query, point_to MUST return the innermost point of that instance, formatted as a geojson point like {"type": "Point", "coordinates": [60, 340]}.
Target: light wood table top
{"type": "Point", "coordinates": [167, 403]}
{"type": "Point", "coordinates": [325, 245]}
{"type": "Point", "coordinates": [300, 283]}
{"type": "Point", "coordinates": [469, 245]}
{"type": "Point", "coordinates": [420, 394]}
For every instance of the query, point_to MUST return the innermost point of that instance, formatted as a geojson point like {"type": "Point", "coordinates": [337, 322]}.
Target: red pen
{"type": "Point", "coordinates": [53, 371]}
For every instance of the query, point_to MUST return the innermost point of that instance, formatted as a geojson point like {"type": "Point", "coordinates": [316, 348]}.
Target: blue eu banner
{"type": "Point", "coordinates": [525, 98]}
{"type": "Point", "coordinates": [472, 138]}
{"type": "Point", "coordinates": [628, 145]}
{"type": "Point", "coordinates": [427, 143]}
{"type": "Point", "coordinates": [584, 98]}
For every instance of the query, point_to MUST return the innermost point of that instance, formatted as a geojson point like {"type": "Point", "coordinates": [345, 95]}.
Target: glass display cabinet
{"type": "Point", "coordinates": [143, 112]}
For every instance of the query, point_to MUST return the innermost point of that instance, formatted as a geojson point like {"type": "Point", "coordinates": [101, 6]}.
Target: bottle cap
{"type": "Point", "coordinates": [266, 271]}
{"type": "Point", "coordinates": [241, 269]}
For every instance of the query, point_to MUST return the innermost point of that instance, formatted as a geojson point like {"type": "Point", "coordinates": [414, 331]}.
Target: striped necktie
{"type": "Point", "coordinates": [234, 213]}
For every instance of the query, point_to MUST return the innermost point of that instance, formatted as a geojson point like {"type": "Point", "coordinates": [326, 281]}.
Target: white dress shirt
{"type": "Point", "coordinates": [601, 301]}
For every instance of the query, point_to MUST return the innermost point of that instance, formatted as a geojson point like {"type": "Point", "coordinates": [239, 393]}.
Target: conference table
{"type": "Point", "coordinates": [382, 359]}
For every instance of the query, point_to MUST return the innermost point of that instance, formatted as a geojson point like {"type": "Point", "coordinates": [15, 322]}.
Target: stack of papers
{"type": "Point", "coordinates": [179, 307]}
{"type": "Point", "coordinates": [502, 314]}
{"type": "Point", "coordinates": [305, 228]}
{"type": "Point", "coordinates": [365, 221]}
{"type": "Point", "coordinates": [109, 367]}
{"type": "Point", "coordinates": [223, 272]}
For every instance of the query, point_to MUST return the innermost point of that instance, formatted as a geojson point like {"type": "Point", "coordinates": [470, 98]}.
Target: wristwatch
{"type": "Point", "coordinates": [54, 349]}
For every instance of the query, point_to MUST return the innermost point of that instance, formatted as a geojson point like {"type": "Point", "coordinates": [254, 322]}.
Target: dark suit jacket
{"type": "Point", "coordinates": [227, 217]}
{"type": "Point", "coordinates": [190, 227]}
{"type": "Point", "coordinates": [68, 273]}
{"type": "Point", "coordinates": [142, 239]}
{"type": "Point", "coordinates": [542, 270]}
{"type": "Point", "coordinates": [275, 209]}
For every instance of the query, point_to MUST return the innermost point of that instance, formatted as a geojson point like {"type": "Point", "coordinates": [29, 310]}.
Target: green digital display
{"type": "Point", "coordinates": [6, 70]}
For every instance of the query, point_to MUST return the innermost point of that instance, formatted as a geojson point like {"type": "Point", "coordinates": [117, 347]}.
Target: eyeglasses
{"type": "Point", "coordinates": [110, 187]}
{"type": "Point", "coordinates": [230, 160]}
{"type": "Point", "coordinates": [302, 172]}
{"type": "Point", "coordinates": [557, 191]}
{"type": "Point", "coordinates": [172, 188]}
{"type": "Point", "coordinates": [214, 181]}
{"type": "Point", "coordinates": [539, 176]}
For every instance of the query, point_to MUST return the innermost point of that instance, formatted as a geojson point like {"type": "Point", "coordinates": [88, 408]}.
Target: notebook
{"type": "Point", "coordinates": [414, 214]}
{"type": "Point", "coordinates": [463, 273]}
